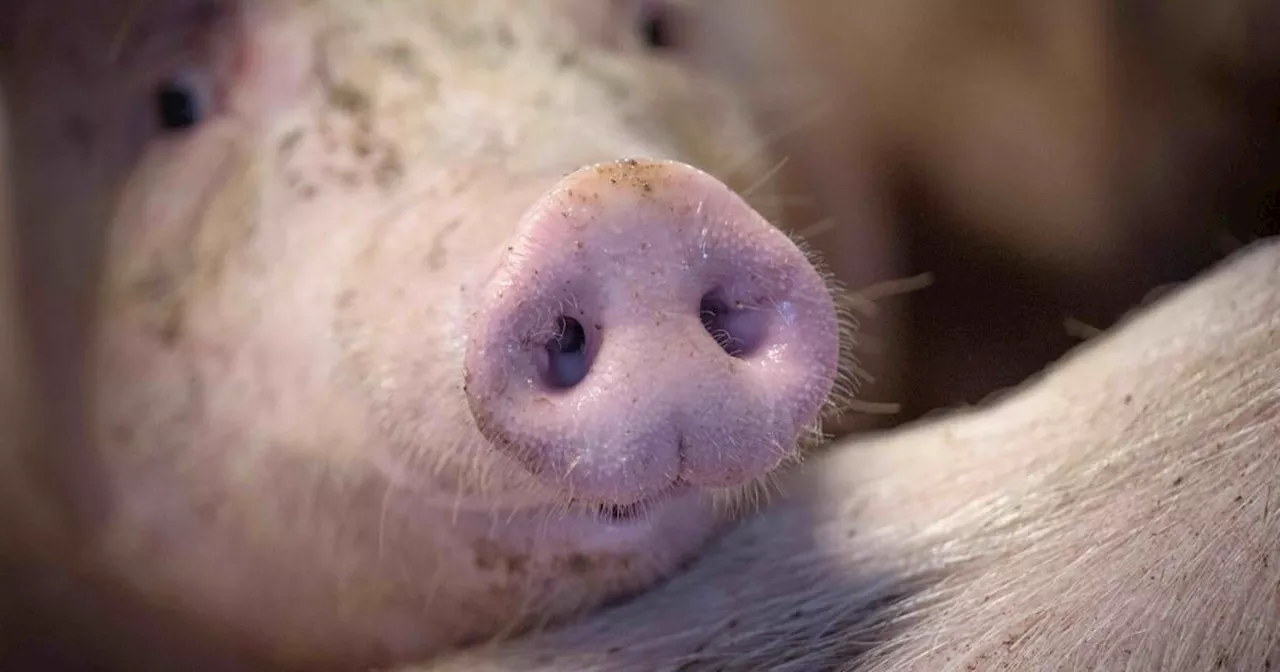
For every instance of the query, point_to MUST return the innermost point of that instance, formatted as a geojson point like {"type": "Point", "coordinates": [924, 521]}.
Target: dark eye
{"type": "Point", "coordinates": [181, 102]}
{"type": "Point", "coordinates": [657, 25]}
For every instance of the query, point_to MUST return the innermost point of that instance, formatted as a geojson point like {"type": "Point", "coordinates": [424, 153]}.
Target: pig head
{"type": "Point", "coordinates": [398, 325]}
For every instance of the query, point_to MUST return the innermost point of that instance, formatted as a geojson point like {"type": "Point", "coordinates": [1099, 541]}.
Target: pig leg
{"type": "Point", "coordinates": [1115, 513]}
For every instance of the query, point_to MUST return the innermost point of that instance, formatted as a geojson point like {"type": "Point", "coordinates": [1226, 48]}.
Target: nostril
{"type": "Point", "coordinates": [565, 362]}
{"type": "Point", "coordinates": [583, 362]}
{"type": "Point", "coordinates": [738, 328]}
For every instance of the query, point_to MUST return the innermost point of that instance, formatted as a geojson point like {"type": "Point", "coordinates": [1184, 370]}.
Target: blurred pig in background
{"type": "Point", "coordinates": [1043, 167]}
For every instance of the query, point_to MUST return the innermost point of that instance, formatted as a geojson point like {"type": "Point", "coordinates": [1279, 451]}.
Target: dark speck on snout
{"type": "Point", "coordinates": [644, 177]}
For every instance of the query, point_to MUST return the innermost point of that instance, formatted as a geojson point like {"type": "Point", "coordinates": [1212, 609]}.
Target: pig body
{"type": "Point", "coordinates": [1115, 513]}
{"type": "Point", "coordinates": [374, 365]}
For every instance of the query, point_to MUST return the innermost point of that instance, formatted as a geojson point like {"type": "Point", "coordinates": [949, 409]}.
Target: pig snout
{"type": "Point", "coordinates": [648, 331]}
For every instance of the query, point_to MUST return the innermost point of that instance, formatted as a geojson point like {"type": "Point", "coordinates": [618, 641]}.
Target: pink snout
{"type": "Point", "coordinates": [647, 330]}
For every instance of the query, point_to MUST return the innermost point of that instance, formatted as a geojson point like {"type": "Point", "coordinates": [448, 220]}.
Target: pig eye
{"type": "Point", "coordinates": [657, 25]}
{"type": "Point", "coordinates": [182, 102]}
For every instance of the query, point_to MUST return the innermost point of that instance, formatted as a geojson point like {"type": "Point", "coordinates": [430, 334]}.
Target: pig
{"type": "Point", "coordinates": [1115, 512]}
{"type": "Point", "coordinates": [229, 483]}
{"type": "Point", "coordinates": [375, 329]}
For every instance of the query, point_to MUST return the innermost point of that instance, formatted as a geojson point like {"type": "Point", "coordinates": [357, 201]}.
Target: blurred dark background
{"type": "Point", "coordinates": [1050, 166]}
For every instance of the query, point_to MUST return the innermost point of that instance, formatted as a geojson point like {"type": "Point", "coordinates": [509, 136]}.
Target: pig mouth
{"type": "Point", "coordinates": [632, 512]}
{"type": "Point", "coordinates": [615, 513]}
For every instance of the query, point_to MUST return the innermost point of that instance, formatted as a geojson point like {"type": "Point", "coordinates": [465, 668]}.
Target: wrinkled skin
{"type": "Point", "coordinates": [313, 313]}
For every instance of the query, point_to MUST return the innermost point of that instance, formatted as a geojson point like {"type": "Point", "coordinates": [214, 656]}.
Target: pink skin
{"type": "Point", "coordinates": [376, 203]}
